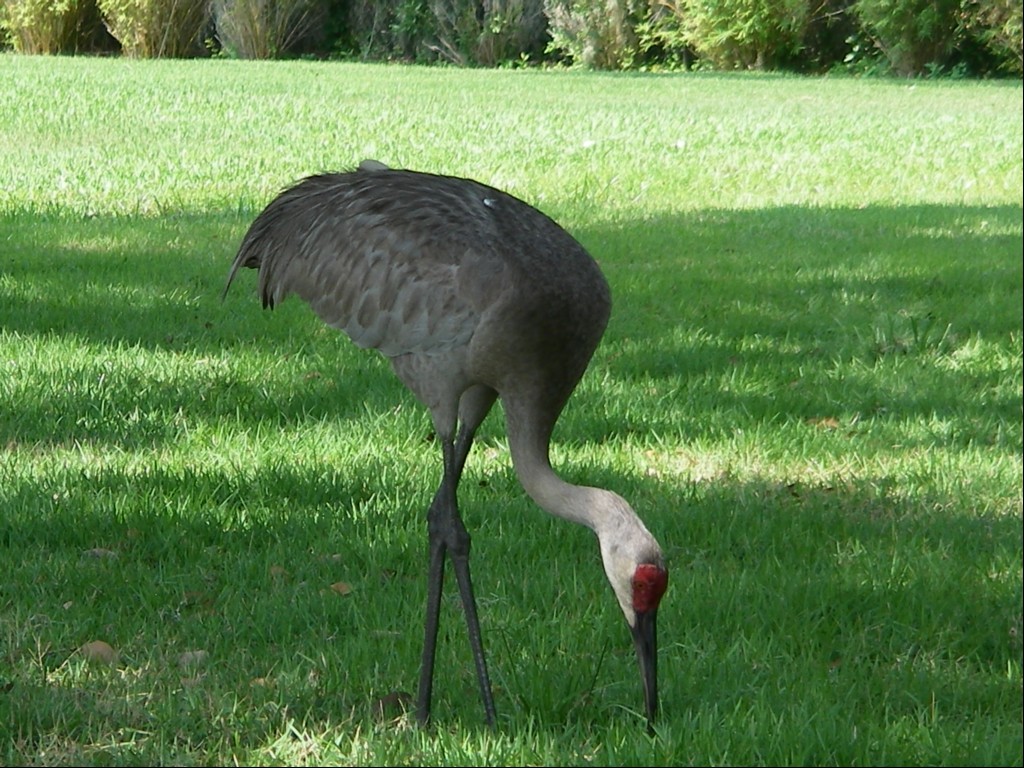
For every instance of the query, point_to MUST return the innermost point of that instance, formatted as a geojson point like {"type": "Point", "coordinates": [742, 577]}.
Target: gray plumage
{"type": "Point", "coordinates": [472, 295]}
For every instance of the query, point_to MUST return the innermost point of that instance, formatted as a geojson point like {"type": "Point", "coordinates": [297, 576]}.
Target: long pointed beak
{"type": "Point", "coordinates": [645, 638]}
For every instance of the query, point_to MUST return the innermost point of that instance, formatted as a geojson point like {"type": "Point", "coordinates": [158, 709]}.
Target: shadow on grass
{"type": "Point", "coordinates": [850, 599]}
{"type": "Point", "coordinates": [782, 595]}
{"type": "Point", "coordinates": [781, 293]}
{"type": "Point", "coordinates": [157, 282]}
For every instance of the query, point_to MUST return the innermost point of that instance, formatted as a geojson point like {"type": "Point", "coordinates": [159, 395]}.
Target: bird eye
{"type": "Point", "coordinates": [649, 583]}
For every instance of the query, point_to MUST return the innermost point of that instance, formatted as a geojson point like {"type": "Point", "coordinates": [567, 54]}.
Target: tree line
{"type": "Point", "coordinates": [968, 38]}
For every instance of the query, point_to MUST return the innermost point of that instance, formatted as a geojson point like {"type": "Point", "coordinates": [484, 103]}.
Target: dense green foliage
{"type": "Point", "coordinates": [810, 389]}
{"type": "Point", "coordinates": [264, 29]}
{"type": "Point", "coordinates": [51, 26]}
{"type": "Point", "coordinates": [911, 33]}
{"type": "Point", "coordinates": [754, 34]}
{"type": "Point", "coordinates": [904, 37]}
{"type": "Point", "coordinates": [156, 28]}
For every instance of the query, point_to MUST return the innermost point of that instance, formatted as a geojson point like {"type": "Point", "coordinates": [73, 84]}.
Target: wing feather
{"type": "Point", "coordinates": [378, 254]}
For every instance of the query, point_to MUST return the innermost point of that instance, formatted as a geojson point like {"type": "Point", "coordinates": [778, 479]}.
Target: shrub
{"type": "Point", "coordinates": [464, 32]}
{"type": "Point", "coordinates": [913, 35]}
{"type": "Point", "coordinates": [597, 34]}
{"type": "Point", "coordinates": [997, 25]}
{"type": "Point", "coordinates": [379, 29]}
{"type": "Point", "coordinates": [830, 29]}
{"type": "Point", "coordinates": [47, 26]}
{"type": "Point", "coordinates": [744, 34]}
{"type": "Point", "coordinates": [488, 33]}
{"type": "Point", "coordinates": [264, 29]}
{"type": "Point", "coordinates": [660, 36]}
{"type": "Point", "coordinates": [157, 28]}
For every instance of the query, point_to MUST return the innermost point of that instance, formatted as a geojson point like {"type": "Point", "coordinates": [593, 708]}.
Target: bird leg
{"type": "Point", "coordinates": [448, 535]}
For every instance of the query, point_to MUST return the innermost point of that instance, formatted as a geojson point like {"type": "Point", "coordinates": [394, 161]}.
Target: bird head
{"type": "Point", "coordinates": [636, 570]}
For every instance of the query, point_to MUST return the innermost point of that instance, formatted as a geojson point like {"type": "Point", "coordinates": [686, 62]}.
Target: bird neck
{"type": "Point", "coordinates": [554, 495]}
{"type": "Point", "coordinates": [624, 540]}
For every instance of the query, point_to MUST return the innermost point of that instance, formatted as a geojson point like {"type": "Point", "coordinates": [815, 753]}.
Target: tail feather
{"type": "Point", "coordinates": [240, 261]}
{"type": "Point", "coordinates": [257, 247]}
{"type": "Point", "coordinates": [271, 232]}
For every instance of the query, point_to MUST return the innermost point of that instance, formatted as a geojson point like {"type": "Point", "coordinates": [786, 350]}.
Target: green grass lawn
{"type": "Point", "coordinates": [810, 389]}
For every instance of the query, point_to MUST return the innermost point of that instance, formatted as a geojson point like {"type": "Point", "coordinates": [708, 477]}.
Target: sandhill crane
{"type": "Point", "coordinates": [473, 295]}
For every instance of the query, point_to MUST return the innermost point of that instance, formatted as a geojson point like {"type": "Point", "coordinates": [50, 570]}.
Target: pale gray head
{"type": "Point", "coordinates": [636, 570]}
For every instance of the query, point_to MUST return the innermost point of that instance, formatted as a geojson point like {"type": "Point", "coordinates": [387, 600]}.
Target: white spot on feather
{"type": "Point", "coordinates": [370, 164]}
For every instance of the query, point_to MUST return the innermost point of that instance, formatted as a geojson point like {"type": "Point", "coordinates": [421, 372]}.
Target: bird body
{"type": "Point", "coordinates": [472, 295]}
